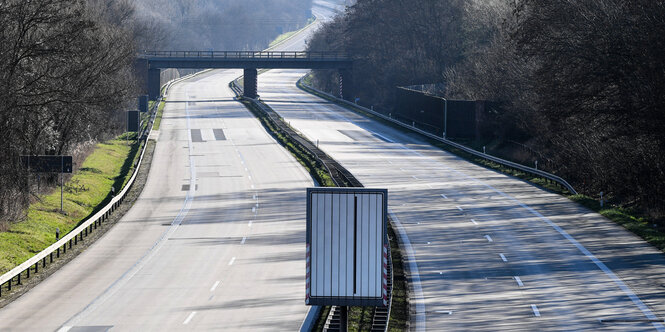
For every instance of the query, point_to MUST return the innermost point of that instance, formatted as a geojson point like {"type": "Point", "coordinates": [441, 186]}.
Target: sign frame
{"type": "Point", "coordinates": [133, 121]}
{"type": "Point", "coordinates": [361, 257]}
{"type": "Point", "coordinates": [48, 163]}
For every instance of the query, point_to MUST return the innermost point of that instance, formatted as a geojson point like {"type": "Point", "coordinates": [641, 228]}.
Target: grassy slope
{"type": "Point", "coordinates": [158, 118]}
{"type": "Point", "coordinates": [107, 166]}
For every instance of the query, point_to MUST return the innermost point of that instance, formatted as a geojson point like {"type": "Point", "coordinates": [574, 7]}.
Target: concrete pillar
{"type": "Point", "coordinates": [346, 82]}
{"type": "Point", "coordinates": [141, 73]}
{"type": "Point", "coordinates": [251, 81]}
{"type": "Point", "coordinates": [154, 77]}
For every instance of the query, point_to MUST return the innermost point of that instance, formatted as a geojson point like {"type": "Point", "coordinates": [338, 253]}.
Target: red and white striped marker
{"type": "Point", "coordinates": [307, 273]}
{"type": "Point", "coordinates": [385, 275]}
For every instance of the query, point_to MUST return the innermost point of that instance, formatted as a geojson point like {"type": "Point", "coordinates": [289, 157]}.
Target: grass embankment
{"type": "Point", "coordinates": [290, 34]}
{"type": "Point", "coordinates": [630, 219]}
{"type": "Point", "coordinates": [110, 165]}
{"type": "Point", "coordinates": [158, 117]}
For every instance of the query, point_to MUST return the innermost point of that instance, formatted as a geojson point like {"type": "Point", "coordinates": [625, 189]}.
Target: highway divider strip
{"type": "Point", "coordinates": [341, 177]}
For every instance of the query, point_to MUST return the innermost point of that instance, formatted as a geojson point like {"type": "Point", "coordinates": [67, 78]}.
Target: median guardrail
{"type": "Point", "coordinates": [551, 177]}
{"type": "Point", "coordinates": [342, 178]}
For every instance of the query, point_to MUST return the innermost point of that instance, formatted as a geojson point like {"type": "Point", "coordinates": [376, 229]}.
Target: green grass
{"type": "Point", "coordinates": [628, 218]}
{"type": "Point", "coordinates": [111, 164]}
{"type": "Point", "coordinates": [289, 34]}
{"type": "Point", "coordinates": [158, 118]}
{"type": "Point", "coordinates": [282, 37]}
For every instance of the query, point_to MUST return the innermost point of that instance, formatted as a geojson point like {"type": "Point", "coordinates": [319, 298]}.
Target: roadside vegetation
{"type": "Point", "coordinates": [281, 38]}
{"type": "Point", "coordinates": [580, 84]}
{"type": "Point", "coordinates": [158, 117]}
{"type": "Point", "coordinates": [110, 165]}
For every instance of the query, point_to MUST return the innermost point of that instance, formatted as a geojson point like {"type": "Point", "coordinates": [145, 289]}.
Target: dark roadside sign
{"type": "Point", "coordinates": [48, 164]}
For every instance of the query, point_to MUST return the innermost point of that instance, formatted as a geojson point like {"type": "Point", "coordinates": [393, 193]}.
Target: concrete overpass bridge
{"type": "Point", "coordinates": [150, 64]}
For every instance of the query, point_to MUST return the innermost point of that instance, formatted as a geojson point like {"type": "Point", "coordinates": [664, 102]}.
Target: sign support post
{"type": "Point", "coordinates": [343, 318]}
{"type": "Point", "coordinates": [61, 182]}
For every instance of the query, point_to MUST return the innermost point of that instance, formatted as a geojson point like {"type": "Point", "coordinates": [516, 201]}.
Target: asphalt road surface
{"type": "Point", "coordinates": [486, 251]}
{"type": "Point", "coordinates": [215, 241]}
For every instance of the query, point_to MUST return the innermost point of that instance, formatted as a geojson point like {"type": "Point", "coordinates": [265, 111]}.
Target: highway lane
{"type": "Point", "coordinates": [493, 252]}
{"type": "Point", "coordinates": [215, 240]}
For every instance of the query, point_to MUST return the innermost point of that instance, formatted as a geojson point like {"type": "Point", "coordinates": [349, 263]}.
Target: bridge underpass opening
{"type": "Point", "coordinates": [150, 64]}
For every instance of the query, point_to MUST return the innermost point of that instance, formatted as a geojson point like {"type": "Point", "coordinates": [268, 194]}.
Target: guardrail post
{"type": "Point", "coordinates": [57, 255]}
{"type": "Point", "coordinates": [9, 284]}
{"type": "Point", "coordinates": [18, 281]}
{"type": "Point", "coordinates": [76, 238]}
{"type": "Point", "coordinates": [27, 274]}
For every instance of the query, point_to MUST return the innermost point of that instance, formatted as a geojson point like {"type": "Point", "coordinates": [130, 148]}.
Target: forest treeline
{"type": "Point", "coordinates": [582, 82]}
{"type": "Point", "coordinates": [67, 68]}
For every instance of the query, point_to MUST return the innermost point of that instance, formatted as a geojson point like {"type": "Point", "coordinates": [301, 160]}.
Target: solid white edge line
{"type": "Point", "coordinates": [536, 312]}
{"type": "Point", "coordinates": [189, 318]}
{"type": "Point", "coordinates": [65, 328]}
{"type": "Point", "coordinates": [148, 255]}
{"type": "Point", "coordinates": [414, 275]}
{"type": "Point", "coordinates": [503, 258]}
{"type": "Point", "coordinates": [383, 137]}
{"type": "Point", "coordinates": [212, 289]}
{"type": "Point", "coordinates": [634, 298]}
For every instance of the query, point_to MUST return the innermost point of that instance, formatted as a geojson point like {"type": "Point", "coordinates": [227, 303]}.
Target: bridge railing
{"type": "Point", "coordinates": [246, 55]}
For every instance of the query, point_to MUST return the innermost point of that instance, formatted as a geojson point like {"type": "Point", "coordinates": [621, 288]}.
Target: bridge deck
{"type": "Point", "coordinates": [246, 59]}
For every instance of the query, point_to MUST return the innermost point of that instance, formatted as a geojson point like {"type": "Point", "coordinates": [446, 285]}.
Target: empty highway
{"type": "Point", "coordinates": [489, 252]}
{"type": "Point", "coordinates": [215, 241]}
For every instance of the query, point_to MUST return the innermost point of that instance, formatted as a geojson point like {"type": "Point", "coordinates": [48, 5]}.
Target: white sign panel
{"type": "Point", "coordinates": [346, 246]}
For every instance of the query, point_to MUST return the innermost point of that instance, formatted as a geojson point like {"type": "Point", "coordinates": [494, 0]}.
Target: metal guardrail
{"type": "Point", "coordinates": [13, 277]}
{"type": "Point", "coordinates": [554, 178]}
{"type": "Point", "coordinates": [246, 55]}
{"type": "Point", "coordinates": [342, 178]}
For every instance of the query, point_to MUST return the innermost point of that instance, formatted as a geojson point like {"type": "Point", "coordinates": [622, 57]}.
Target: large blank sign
{"type": "Point", "coordinates": [346, 246]}
{"type": "Point", "coordinates": [48, 164]}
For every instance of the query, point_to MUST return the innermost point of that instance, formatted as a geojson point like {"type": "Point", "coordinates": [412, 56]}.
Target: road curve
{"type": "Point", "coordinates": [493, 252]}
{"type": "Point", "coordinates": [215, 240]}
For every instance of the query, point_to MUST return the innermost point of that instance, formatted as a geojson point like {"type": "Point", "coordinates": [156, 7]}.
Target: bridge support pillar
{"type": "Point", "coordinates": [250, 79]}
{"type": "Point", "coordinates": [154, 86]}
{"type": "Point", "coordinates": [346, 84]}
